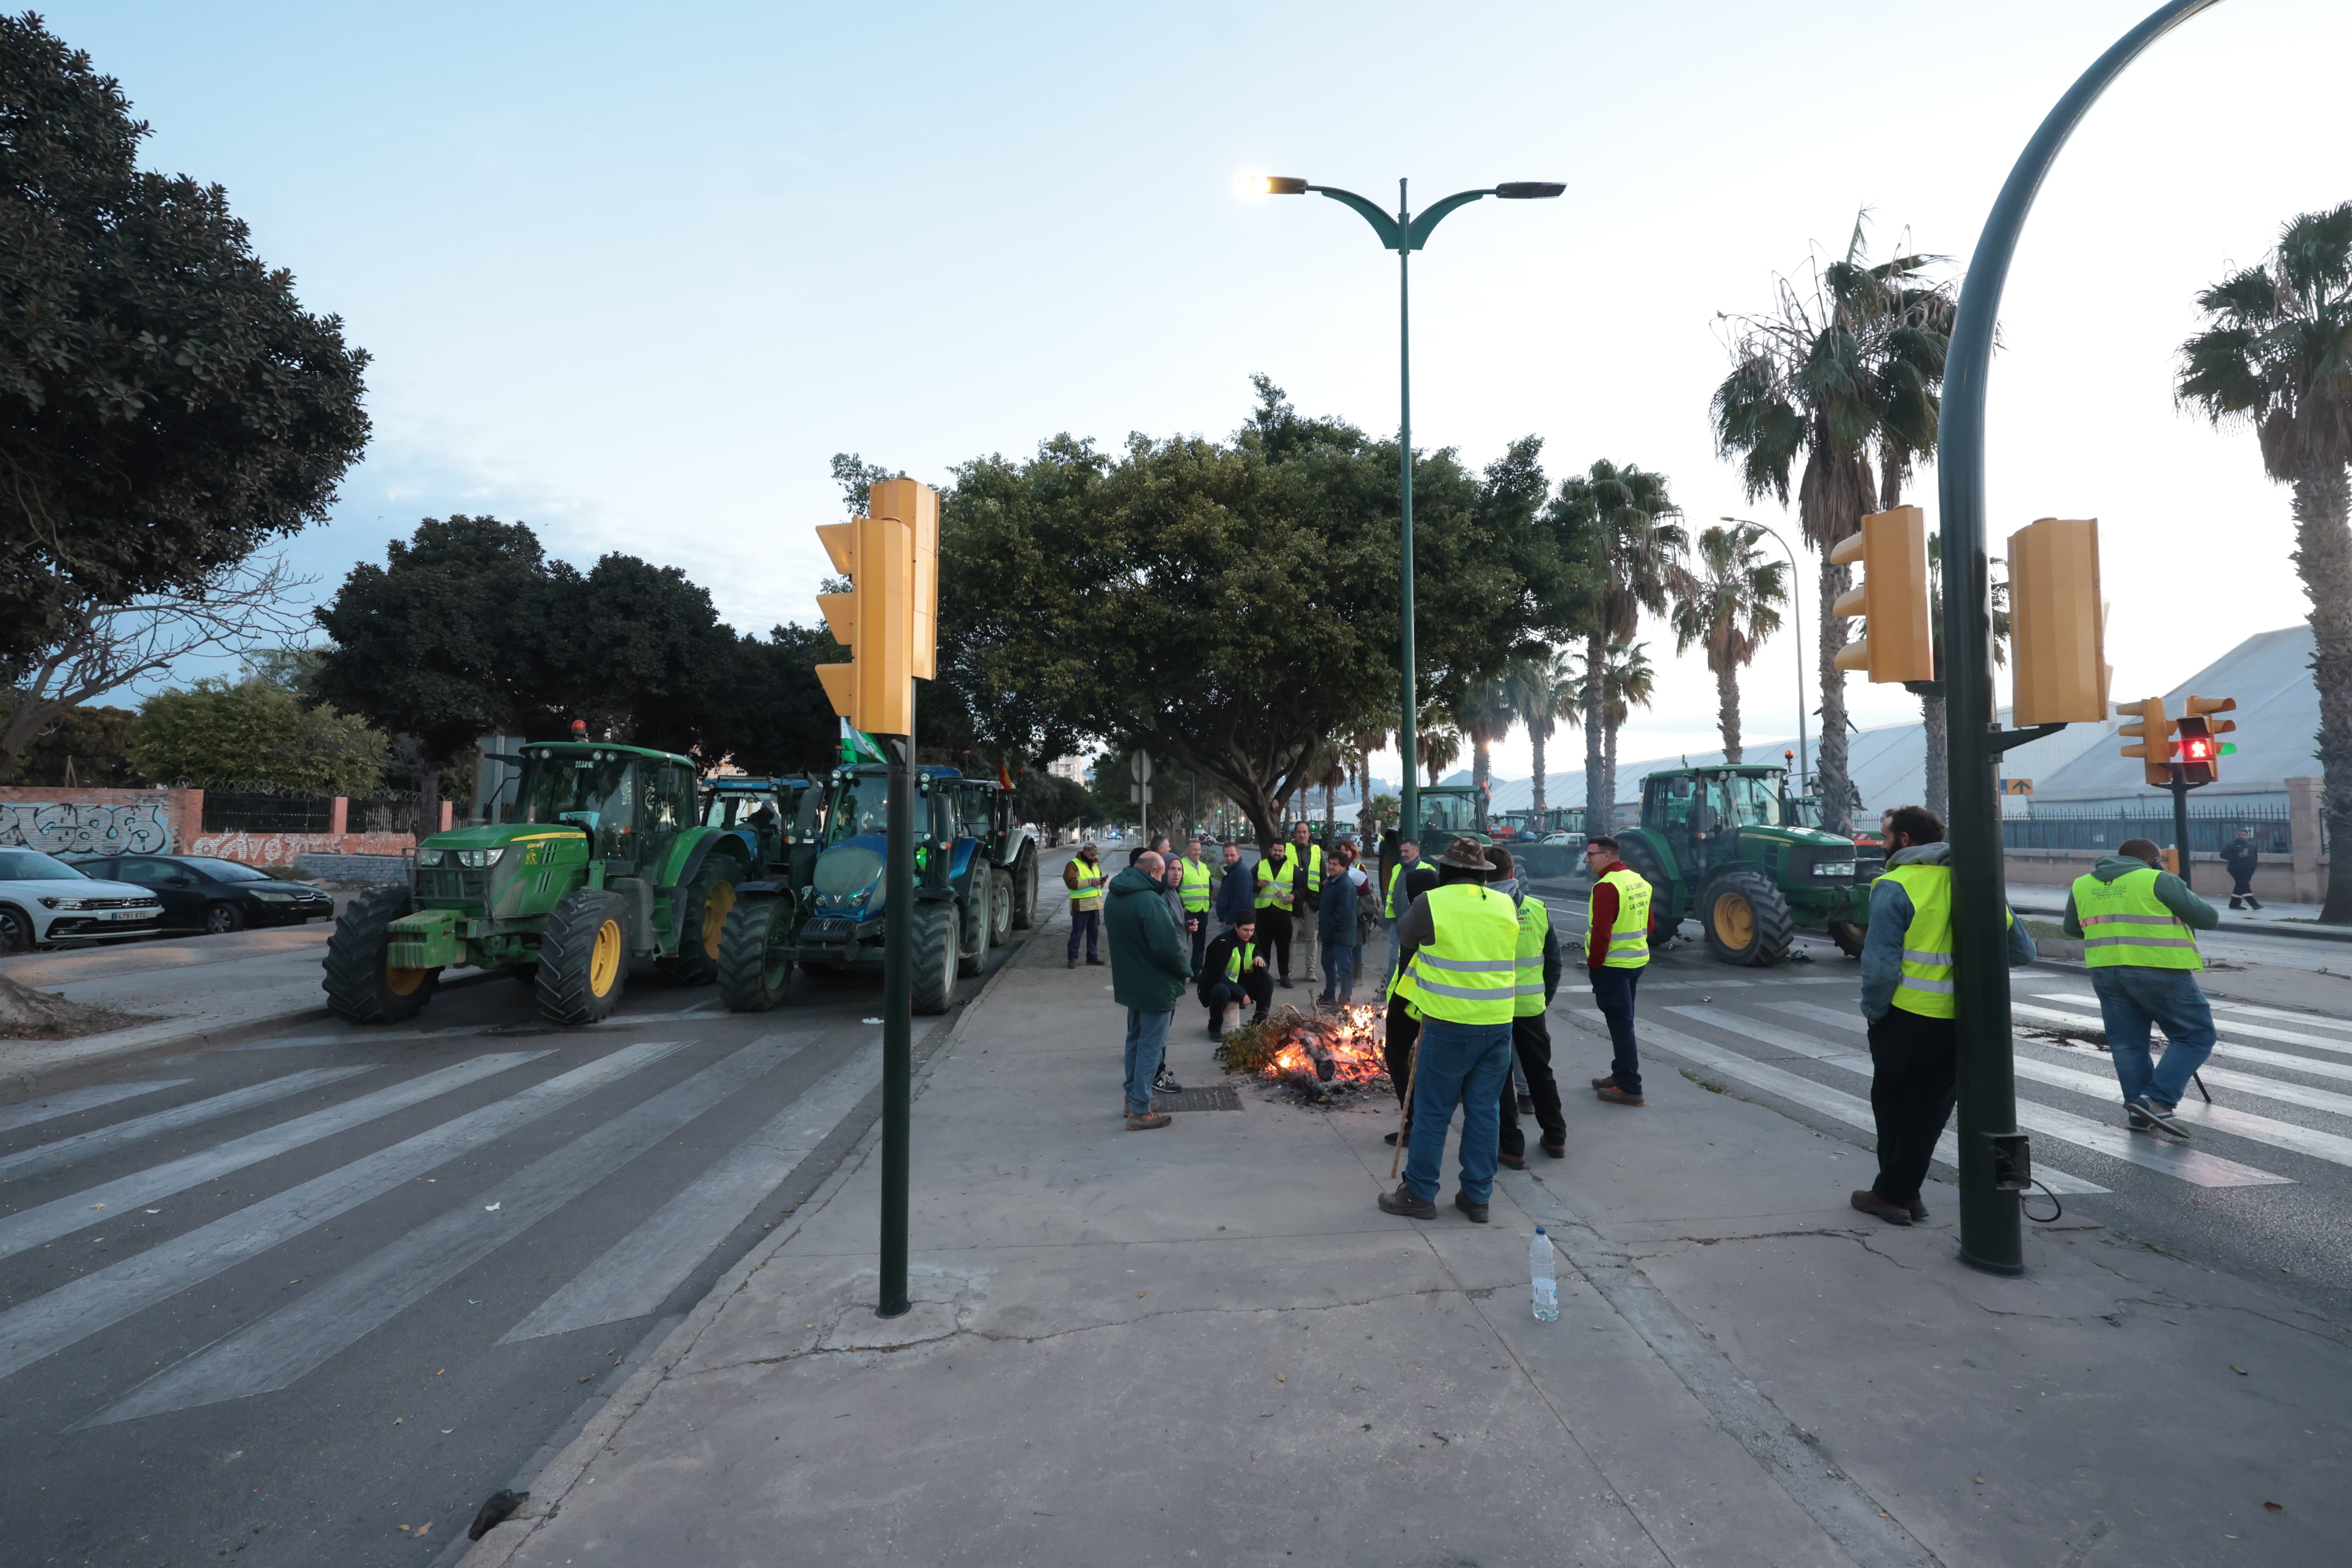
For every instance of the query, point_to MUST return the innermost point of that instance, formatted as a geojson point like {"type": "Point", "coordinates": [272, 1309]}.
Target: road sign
{"type": "Point", "coordinates": [1138, 767]}
{"type": "Point", "coordinates": [2017, 786]}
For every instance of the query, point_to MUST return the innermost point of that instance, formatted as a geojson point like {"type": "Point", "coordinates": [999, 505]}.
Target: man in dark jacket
{"type": "Point", "coordinates": [1530, 1034]}
{"type": "Point", "coordinates": [1237, 900]}
{"type": "Point", "coordinates": [2239, 858]}
{"type": "Point", "coordinates": [1148, 967]}
{"type": "Point", "coordinates": [1235, 972]}
{"type": "Point", "coordinates": [1340, 933]}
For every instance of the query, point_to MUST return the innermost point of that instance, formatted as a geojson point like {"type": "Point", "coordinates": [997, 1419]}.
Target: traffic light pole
{"type": "Point", "coordinates": [2180, 818]}
{"type": "Point", "coordinates": [1992, 1219]}
{"type": "Point", "coordinates": [898, 1020]}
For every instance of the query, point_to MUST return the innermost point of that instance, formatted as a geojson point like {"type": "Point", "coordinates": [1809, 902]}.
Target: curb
{"type": "Point", "coordinates": [555, 1480]}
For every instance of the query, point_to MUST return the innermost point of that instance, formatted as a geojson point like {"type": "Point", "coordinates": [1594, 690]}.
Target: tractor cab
{"type": "Point", "coordinates": [631, 803]}
{"type": "Point", "coordinates": [1447, 812]}
{"type": "Point", "coordinates": [770, 817]}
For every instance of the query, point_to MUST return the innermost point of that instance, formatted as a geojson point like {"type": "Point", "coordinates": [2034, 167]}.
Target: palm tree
{"type": "Point", "coordinates": [1729, 606]}
{"type": "Point", "coordinates": [2277, 354]}
{"type": "Point", "coordinates": [1544, 692]}
{"type": "Point", "coordinates": [1627, 682]}
{"type": "Point", "coordinates": [1621, 520]}
{"type": "Point", "coordinates": [1842, 371]}
{"type": "Point", "coordinates": [1439, 744]}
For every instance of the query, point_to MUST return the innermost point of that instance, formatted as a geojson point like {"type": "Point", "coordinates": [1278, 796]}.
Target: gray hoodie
{"type": "Point", "coordinates": [2170, 891]}
{"type": "Point", "coordinates": [1890, 918]}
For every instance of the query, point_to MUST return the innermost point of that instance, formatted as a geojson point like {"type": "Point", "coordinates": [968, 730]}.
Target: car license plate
{"type": "Point", "coordinates": [128, 914]}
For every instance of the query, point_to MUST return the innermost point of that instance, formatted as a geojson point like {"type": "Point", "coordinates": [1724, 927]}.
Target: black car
{"type": "Point", "coordinates": [200, 893]}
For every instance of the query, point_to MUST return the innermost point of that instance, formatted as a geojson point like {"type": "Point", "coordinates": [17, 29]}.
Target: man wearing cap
{"type": "Point", "coordinates": [2138, 927]}
{"type": "Point", "coordinates": [1083, 877]}
{"type": "Point", "coordinates": [1616, 951]}
{"type": "Point", "coordinates": [1461, 944]}
{"type": "Point", "coordinates": [1531, 993]}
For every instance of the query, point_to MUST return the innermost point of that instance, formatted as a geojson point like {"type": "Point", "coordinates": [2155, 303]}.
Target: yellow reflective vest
{"type": "Point", "coordinates": [1273, 885]}
{"type": "Point", "coordinates": [1312, 857]}
{"type": "Point", "coordinates": [1241, 961]}
{"type": "Point", "coordinates": [1468, 971]}
{"type": "Point", "coordinates": [2124, 923]}
{"type": "Point", "coordinates": [1196, 885]}
{"type": "Point", "coordinates": [1629, 939]}
{"type": "Point", "coordinates": [1088, 893]}
{"type": "Point", "coordinates": [1527, 985]}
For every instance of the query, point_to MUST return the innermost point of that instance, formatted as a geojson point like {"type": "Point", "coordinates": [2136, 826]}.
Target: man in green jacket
{"type": "Point", "coordinates": [1148, 967]}
{"type": "Point", "coordinates": [2135, 921]}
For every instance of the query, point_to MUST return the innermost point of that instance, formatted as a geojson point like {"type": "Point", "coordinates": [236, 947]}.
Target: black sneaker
{"type": "Point", "coordinates": [1478, 1212]}
{"type": "Point", "coordinates": [1164, 1081]}
{"type": "Point", "coordinates": [1407, 1202]}
{"type": "Point", "coordinates": [2159, 1119]}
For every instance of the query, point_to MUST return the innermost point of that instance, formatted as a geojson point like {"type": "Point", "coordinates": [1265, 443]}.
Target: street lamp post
{"type": "Point", "coordinates": [1403, 234]}
{"type": "Point", "coordinates": [1797, 611]}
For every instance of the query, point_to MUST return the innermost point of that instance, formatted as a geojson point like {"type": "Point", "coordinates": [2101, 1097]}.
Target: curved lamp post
{"type": "Point", "coordinates": [1403, 234]}
{"type": "Point", "coordinates": [1797, 615]}
{"type": "Point", "coordinates": [1991, 1146]}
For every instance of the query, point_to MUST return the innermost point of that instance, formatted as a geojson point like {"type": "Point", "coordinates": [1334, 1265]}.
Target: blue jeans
{"type": "Point", "coordinates": [2131, 999]}
{"type": "Point", "coordinates": [1339, 972]}
{"type": "Point", "coordinates": [1088, 925]}
{"type": "Point", "coordinates": [1464, 1064]}
{"type": "Point", "coordinates": [1147, 1042]}
{"type": "Point", "coordinates": [1612, 992]}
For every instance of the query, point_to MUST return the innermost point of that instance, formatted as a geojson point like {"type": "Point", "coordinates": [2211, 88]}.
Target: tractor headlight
{"type": "Point", "coordinates": [492, 856]}
{"type": "Point", "coordinates": [1841, 870]}
{"type": "Point", "coordinates": [431, 857]}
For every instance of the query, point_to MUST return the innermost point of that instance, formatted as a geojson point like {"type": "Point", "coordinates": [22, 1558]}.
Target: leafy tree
{"type": "Point", "coordinates": [1729, 606]}
{"type": "Point", "coordinates": [88, 747]}
{"type": "Point", "coordinates": [254, 734]}
{"type": "Point", "coordinates": [2277, 354]}
{"type": "Point", "coordinates": [1545, 694]}
{"type": "Point", "coordinates": [1622, 521]}
{"type": "Point", "coordinates": [780, 720]}
{"type": "Point", "coordinates": [1840, 372]}
{"type": "Point", "coordinates": [1227, 606]}
{"type": "Point", "coordinates": [1627, 682]}
{"type": "Point", "coordinates": [1053, 801]}
{"type": "Point", "coordinates": [166, 404]}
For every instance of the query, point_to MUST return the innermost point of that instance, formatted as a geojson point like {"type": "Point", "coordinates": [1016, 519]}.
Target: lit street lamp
{"type": "Point", "coordinates": [1797, 613]}
{"type": "Point", "coordinates": [1403, 234]}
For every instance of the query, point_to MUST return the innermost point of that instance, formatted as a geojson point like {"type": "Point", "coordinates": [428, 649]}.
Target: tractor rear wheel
{"type": "Point", "coordinates": [1000, 908]}
{"type": "Point", "coordinates": [1665, 920]}
{"type": "Point", "coordinates": [936, 941]}
{"type": "Point", "coordinates": [1747, 919]}
{"type": "Point", "coordinates": [755, 957]}
{"type": "Point", "coordinates": [702, 922]}
{"type": "Point", "coordinates": [1025, 887]}
{"type": "Point", "coordinates": [360, 986]}
{"type": "Point", "coordinates": [972, 951]}
{"type": "Point", "coordinates": [584, 957]}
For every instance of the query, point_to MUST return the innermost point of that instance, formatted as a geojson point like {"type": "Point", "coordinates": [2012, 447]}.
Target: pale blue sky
{"type": "Point", "coordinates": [633, 274]}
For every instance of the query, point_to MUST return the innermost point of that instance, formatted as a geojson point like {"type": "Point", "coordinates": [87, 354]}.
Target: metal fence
{"type": "Point", "coordinates": [232, 811]}
{"type": "Point", "coordinates": [2208, 831]}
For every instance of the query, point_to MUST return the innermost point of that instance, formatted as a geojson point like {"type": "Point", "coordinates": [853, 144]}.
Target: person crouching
{"type": "Point", "coordinates": [1234, 972]}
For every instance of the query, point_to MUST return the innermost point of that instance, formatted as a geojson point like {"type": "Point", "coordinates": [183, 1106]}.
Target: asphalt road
{"type": "Point", "coordinates": [2262, 1189]}
{"type": "Point", "coordinates": [310, 1300]}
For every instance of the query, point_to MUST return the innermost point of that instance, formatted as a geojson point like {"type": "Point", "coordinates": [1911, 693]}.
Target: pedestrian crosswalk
{"type": "Point", "coordinates": [276, 1348]}
{"type": "Point", "coordinates": [2057, 1084]}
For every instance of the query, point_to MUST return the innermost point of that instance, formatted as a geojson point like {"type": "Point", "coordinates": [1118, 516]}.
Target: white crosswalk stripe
{"type": "Point", "coordinates": [82, 1145]}
{"type": "Point", "coordinates": [98, 1300]}
{"type": "Point", "coordinates": [2246, 1082]}
{"type": "Point", "coordinates": [637, 1273]}
{"type": "Point", "coordinates": [2220, 1005]}
{"type": "Point", "coordinates": [271, 1353]}
{"type": "Point", "coordinates": [49, 1108]}
{"type": "Point", "coordinates": [96, 1205]}
{"type": "Point", "coordinates": [2259, 1031]}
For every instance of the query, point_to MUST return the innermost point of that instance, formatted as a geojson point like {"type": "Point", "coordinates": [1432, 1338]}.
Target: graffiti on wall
{"type": "Point", "coordinates": [66, 828]}
{"type": "Point", "coordinates": [280, 848]}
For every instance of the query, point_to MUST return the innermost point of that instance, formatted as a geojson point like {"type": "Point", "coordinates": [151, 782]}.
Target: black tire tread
{"type": "Point", "coordinates": [1025, 887]}
{"type": "Point", "coordinates": [934, 941]}
{"type": "Point", "coordinates": [743, 956]}
{"type": "Point", "coordinates": [1663, 922]}
{"type": "Point", "coordinates": [565, 946]}
{"type": "Point", "coordinates": [971, 934]}
{"type": "Point", "coordinates": [352, 970]}
{"type": "Point", "coordinates": [691, 964]}
{"type": "Point", "coordinates": [1775, 927]}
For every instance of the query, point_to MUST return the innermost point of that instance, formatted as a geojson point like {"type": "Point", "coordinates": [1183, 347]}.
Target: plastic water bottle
{"type": "Point", "coordinates": [1547, 1284]}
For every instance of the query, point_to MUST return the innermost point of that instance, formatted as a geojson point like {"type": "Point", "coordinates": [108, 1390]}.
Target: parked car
{"type": "Point", "coordinates": [43, 901]}
{"type": "Point", "coordinates": [201, 893]}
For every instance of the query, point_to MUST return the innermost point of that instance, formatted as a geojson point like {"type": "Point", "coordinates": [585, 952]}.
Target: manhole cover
{"type": "Point", "coordinates": [1216, 1097]}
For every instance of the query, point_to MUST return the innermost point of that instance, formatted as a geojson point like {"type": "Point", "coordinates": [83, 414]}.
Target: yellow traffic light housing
{"type": "Point", "coordinates": [2153, 730]}
{"type": "Point", "coordinates": [2202, 747]}
{"type": "Point", "coordinates": [1897, 642]}
{"type": "Point", "coordinates": [888, 619]}
{"type": "Point", "coordinates": [2057, 624]}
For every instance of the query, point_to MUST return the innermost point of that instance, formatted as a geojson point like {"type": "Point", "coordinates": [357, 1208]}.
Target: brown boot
{"type": "Point", "coordinates": [1616, 1096]}
{"type": "Point", "coordinates": [1869, 1203]}
{"type": "Point", "coordinates": [1608, 1082]}
{"type": "Point", "coordinates": [1147, 1121]}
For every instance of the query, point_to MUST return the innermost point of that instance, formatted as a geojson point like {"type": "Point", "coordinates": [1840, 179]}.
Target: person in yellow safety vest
{"type": "Point", "coordinates": [1532, 990]}
{"type": "Point", "coordinates": [1235, 972]}
{"type": "Point", "coordinates": [1277, 895]}
{"type": "Point", "coordinates": [1196, 895]}
{"type": "Point", "coordinates": [1084, 876]}
{"type": "Point", "coordinates": [1461, 969]}
{"type": "Point", "coordinates": [2136, 923]}
{"type": "Point", "coordinates": [1616, 951]}
{"type": "Point", "coordinates": [1409, 878]}
{"type": "Point", "coordinates": [1305, 895]}
{"type": "Point", "coordinates": [1909, 997]}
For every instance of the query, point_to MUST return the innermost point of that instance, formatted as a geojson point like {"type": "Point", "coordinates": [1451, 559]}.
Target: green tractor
{"type": "Point", "coordinates": [1447, 812]}
{"type": "Point", "coordinates": [1721, 844]}
{"type": "Point", "coordinates": [605, 857]}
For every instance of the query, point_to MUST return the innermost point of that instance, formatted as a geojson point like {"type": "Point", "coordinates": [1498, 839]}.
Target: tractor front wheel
{"type": "Point", "coordinates": [702, 912]}
{"type": "Point", "coordinates": [755, 957]}
{"type": "Point", "coordinates": [1000, 908]}
{"type": "Point", "coordinates": [936, 938]}
{"type": "Point", "coordinates": [971, 951]}
{"type": "Point", "coordinates": [1747, 919]}
{"type": "Point", "coordinates": [584, 957]}
{"type": "Point", "coordinates": [1665, 920]}
{"type": "Point", "coordinates": [361, 987]}
{"type": "Point", "coordinates": [1025, 887]}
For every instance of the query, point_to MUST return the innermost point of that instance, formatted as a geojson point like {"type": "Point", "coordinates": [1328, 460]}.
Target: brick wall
{"type": "Point", "coordinates": [164, 822]}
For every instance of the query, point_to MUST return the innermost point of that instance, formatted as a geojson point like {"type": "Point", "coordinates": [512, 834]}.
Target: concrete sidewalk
{"type": "Point", "coordinates": [1205, 1345]}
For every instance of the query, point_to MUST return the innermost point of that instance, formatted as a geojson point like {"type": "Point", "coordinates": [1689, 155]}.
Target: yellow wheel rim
{"type": "Point", "coordinates": [604, 960]}
{"type": "Point", "coordinates": [1735, 922]}
{"type": "Point", "coordinates": [403, 981]}
{"type": "Point", "coordinates": [715, 910]}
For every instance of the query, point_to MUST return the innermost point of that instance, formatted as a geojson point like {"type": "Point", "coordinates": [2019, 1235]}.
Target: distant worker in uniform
{"type": "Point", "coordinates": [2240, 859]}
{"type": "Point", "coordinates": [1907, 996]}
{"type": "Point", "coordinates": [1083, 877]}
{"type": "Point", "coordinates": [1532, 990]}
{"type": "Point", "coordinates": [1276, 893]}
{"type": "Point", "coordinates": [1307, 894]}
{"type": "Point", "coordinates": [1197, 899]}
{"type": "Point", "coordinates": [1235, 973]}
{"type": "Point", "coordinates": [2137, 924]}
{"type": "Point", "coordinates": [1408, 880]}
{"type": "Point", "coordinates": [1616, 951]}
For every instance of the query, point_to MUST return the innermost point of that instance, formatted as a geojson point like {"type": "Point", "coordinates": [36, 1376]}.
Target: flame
{"type": "Point", "coordinates": [1349, 1039]}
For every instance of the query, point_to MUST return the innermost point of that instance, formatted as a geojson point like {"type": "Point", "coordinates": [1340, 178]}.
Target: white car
{"type": "Point", "coordinates": [43, 901]}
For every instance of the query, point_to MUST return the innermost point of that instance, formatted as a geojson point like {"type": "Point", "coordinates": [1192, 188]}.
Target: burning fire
{"type": "Point", "coordinates": [1343, 1045]}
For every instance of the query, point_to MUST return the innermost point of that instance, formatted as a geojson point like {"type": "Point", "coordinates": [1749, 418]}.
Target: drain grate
{"type": "Point", "coordinates": [1216, 1097]}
